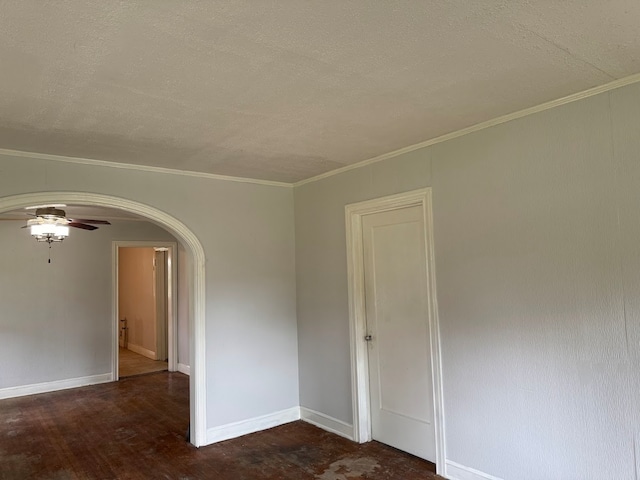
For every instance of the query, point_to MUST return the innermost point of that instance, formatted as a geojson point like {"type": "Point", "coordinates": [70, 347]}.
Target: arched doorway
{"type": "Point", "coordinates": [197, 394]}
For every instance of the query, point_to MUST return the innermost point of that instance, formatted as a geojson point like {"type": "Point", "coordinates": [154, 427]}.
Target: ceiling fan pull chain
{"type": "Point", "coordinates": [49, 252]}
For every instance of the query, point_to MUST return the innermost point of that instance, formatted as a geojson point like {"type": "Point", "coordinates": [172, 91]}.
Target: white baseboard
{"type": "Point", "coordinates": [252, 425]}
{"type": "Point", "coordinates": [455, 471]}
{"type": "Point", "coordinates": [142, 351]}
{"type": "Point", "coordinates": [36, 388]}
{"type": "Point", "coordinates": [327, 423]}
{"type": "Point", "coordinates": [186, 369]}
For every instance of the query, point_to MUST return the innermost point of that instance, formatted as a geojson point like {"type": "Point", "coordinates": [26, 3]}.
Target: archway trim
{"type": "Point", "coordinates": [197, 397]}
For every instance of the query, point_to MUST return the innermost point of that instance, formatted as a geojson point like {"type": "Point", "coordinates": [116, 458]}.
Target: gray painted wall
{"type": "Point", "coordinates": [537, 230]}
{"type": "Point", "coordinates": [537, 245]}
{"type": "Point", "coordinates": [247, 233]}
{"type": "Point", "coordinates": [56, 319]}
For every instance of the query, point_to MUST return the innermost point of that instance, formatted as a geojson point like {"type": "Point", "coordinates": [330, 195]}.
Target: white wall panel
{"type": "Point", "coordinates": [531, 299]}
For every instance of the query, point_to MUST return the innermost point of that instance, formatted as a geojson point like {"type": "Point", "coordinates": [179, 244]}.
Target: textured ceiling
{"type": "Point", "coordinates": [285, 90]}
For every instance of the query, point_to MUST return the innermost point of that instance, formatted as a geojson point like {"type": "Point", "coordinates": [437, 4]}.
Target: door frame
{"type": "Point", "coordinates": [172, 297]}
{"type": "Point", "coordinates": [163, 284]}
{"type": "Point", "coordinates": [357, 313]}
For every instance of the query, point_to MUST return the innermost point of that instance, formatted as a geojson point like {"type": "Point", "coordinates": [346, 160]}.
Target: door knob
{"type": "Point", "coordinates": [368, 338]}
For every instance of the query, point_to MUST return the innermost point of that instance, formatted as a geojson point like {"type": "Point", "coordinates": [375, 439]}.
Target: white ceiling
{"type": "Point", "coordinates": [288, 89]}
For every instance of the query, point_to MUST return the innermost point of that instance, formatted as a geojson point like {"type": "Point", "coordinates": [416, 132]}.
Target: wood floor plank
{"type": "Point", "coordinates": [134, 429]}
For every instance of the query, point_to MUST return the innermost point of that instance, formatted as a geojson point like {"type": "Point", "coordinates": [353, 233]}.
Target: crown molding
{"type": "Point", "coordinates": [622, 82]}
{"type": "Point", "coordinates": [142, 168]}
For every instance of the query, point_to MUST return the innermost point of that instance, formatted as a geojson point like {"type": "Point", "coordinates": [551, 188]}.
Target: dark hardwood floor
{"type": "Point", "coordinates": [134, 429]}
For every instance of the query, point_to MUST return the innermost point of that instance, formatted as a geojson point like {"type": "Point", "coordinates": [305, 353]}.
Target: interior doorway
{"type": "Point", "coordinates": [196, 295]}
{"type": "Point", "coordinates": [397, 386]}
{"type": "Point", "coordinates": [145, 274]}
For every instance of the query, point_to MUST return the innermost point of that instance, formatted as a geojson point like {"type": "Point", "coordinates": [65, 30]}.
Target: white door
{"type": "Point", "coordinates": [397, 311]}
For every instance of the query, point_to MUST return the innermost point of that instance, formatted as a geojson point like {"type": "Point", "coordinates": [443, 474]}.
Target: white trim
{"type": "Point", "coordinates": [182, 368]}
{"type": "Point", "coordinates": [455, 471]}
{"type": "Point", "coordinates": [197, 385]}
{"type": "Point", "coordinates": [172, 306]}
{"type": "Point", "coordinates": [631, 79]}
{"type": "Point", "coordinates": [22, 390]}
{"type": "Point", "coordinates": [141, 351]}
{"type": "Point", "coordinates": [357, 317]}
{"type": "Point", "coordinates": [142, 168]}
{"type": "Point", "coordinates": [327, 423]}
{"type": "Point", "coordinates": [252, 425]}
{"type": "Point", "coordinates": [162, 300]}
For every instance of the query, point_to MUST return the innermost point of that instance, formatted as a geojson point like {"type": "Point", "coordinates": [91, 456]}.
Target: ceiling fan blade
{"type": "Point", "coordinates": [83, 226]}
{"type": "Point", "coordinates": [85, 220]}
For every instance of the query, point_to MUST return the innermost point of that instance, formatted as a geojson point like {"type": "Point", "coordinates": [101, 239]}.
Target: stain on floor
{"type": "Point", "coordinates": [350, 468]}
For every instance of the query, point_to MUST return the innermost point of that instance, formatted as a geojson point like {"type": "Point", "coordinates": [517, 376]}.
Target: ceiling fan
{"type": "Point", "coordinates": [51, 224]}
{"type": "Point", "coordinates": [53, 214]}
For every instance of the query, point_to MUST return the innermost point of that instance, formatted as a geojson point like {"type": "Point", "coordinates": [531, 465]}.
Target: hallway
{"type": "Point", "coordinates": [131, 363]}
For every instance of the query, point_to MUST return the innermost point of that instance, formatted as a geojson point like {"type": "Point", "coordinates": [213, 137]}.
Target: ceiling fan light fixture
{"type": "Point", "coordinates": [48, 230]}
